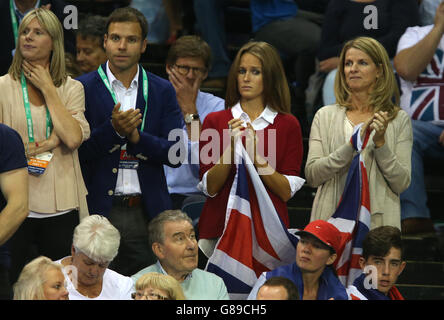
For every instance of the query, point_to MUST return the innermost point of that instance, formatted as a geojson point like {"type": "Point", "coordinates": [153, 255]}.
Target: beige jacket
{"type": "Point", "coordinates": [388, 167]}
{"type": "Point", "coordinates": [61, 187]}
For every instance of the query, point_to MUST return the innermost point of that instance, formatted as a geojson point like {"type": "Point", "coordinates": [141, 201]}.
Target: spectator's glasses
{"type": "Point", "coordinates": [184, 70]}
{"type": "Point", "coordinates": [148, 296]}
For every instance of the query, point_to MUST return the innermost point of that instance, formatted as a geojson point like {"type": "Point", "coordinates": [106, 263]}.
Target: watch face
{"type": "Point", "coordinates": [190, 117]}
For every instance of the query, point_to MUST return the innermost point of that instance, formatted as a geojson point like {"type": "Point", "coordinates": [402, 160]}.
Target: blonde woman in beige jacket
{"type": "Point", "coordinates": [365, 88]}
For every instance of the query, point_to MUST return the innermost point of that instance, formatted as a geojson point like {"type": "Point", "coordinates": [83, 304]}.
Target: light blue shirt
{"type": "Point", "coordinates": [184, 179]}
{"type": "Point", "coordinates": [21, 15]}
{"type": "Point", "coordinates": [198, 285]}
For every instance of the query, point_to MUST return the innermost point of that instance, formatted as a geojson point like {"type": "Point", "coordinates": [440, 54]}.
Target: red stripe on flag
{"type": "Point", "coordinates": [422, 105]}
{"type": "Point", "coordinates": [238, 245]}
{"type": "Point", "coordinates": [259, 230]}
{"type": "Point", "coordinates": [441, 103]}
{"type": "Point", "coordinates": [354, 261]}
{"type": "Point", "coordinates": [365, 194]}
{"type": "Point", "coordinates": [259, 267]}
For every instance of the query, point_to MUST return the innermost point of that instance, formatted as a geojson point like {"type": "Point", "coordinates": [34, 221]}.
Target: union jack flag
{"type": "Point", "coordinates": [254, 239]}
{"type": "Point", "coordinates": [427, 99]}
{"type": "Point", "coordinates": [352, 216]}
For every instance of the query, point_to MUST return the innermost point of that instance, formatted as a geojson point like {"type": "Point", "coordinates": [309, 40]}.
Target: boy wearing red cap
{"type": "Point", "coordinates": [312, 272]}
{"type": "Point", "coordinates": [382, 252]}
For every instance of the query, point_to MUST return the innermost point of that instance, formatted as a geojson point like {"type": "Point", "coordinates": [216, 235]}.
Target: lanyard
{"type": "Point", "coordinates": [28, 113]}
{"type": "Point", "coordinates": [145, 90]}
{"type": "Point", "coordinates": [14, 21]}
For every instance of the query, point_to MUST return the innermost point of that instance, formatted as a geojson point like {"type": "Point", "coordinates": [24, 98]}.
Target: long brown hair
{"type": "Point", "coordinates": [276, 92]}
{"type": "Point", "coordinates": [385, 92]}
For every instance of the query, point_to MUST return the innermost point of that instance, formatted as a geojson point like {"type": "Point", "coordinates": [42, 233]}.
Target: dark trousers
{"type": "Point", "coordinates": [5, 286]}
{"type": "Point", "coordinates": [50, 237]}
{"type": "Point", "coordinates": [134, 251]}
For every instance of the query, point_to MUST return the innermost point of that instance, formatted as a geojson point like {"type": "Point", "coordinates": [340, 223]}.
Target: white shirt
{"type": "Point", "coordinates": [422, 97]}
{"type": "Point", "coordinates": [114, 286]}
{"type": "Point", "coordinates": [127, 179]}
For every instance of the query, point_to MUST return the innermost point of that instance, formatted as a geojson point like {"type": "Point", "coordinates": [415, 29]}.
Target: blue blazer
{"type": "Point", "coordinates": [100, 154]}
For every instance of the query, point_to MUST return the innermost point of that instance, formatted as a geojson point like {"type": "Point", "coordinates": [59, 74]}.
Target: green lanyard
{"type": "Point", "coordinates": [145, 90]}
{"type": "Point", "coordinates": [14, 21]}
{"type": "Point", "coordinates": [28, 113]}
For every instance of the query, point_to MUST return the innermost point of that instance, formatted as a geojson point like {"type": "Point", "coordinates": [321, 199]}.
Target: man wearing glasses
{"type": "Point", "coordinates": [187, 65]}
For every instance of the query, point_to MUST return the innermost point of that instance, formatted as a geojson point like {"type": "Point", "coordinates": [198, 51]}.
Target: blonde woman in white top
{"type": "Point", "coordinates": [366, 92]}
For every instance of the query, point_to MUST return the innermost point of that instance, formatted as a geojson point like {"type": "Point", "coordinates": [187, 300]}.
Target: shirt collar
{"type": "Point", "coordinates": [268, 114]}
{"type": "Point", "coordinates": [112, 79]}
{"type": "Point", "coordinates": [20, 14]}
{"type": "Point", "coordinates": [162, 270]}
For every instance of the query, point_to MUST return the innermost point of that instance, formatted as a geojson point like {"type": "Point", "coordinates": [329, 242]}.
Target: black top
{"type": "Point", "coordinates": [12, 156]}
{"type": "Point", "coordinates": [344, 20]}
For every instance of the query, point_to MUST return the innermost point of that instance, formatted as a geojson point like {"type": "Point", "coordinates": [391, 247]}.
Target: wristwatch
{"type": "Point", "coordinates": [190, 117]}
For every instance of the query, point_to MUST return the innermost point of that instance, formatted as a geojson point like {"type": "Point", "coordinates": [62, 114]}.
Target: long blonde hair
{"type": "Point", "coordinates": [51, 24]}
{"type": "Point", "coordinates": [162, 282]}
{"type": "Point", "coordinates": [276, 92]}
{"type": "Point", "coordinates": [385, 92]}
{"type": "Point", "coordinates": [29, 285]}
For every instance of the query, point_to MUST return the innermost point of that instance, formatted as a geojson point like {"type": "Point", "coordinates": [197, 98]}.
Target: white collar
{"type": "Point", "coordinates": [268, 114]}
{"type": "Point", "coordinates": [112, 78]}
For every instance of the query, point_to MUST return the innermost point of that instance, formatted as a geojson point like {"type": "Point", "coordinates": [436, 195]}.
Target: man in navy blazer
{"type": "Point", "coordinates": [122, 162]}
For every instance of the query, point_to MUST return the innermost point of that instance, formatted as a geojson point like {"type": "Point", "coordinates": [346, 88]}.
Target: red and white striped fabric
{"type": "Point", "coordinates": [254, 239]}
{"type": "Point", "coordinates": [352, 216]}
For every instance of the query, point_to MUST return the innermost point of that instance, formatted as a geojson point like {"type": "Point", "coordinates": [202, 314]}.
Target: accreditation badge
{"type": "Point", "coordinates": [127, 161]}
{"type": "Point", "coordinates": [37, 164]}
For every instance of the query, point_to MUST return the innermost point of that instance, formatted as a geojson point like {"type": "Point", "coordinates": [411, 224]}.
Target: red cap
{"type": "Point", "coordinates": [325, 232]}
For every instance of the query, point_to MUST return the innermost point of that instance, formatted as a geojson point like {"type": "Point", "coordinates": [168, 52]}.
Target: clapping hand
{"type": "Point", "coordinates": [125, 122]}
{"type": "Point", "coordinates": [379, 124]}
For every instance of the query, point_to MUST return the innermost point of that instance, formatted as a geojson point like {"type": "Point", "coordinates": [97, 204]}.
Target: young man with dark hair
{"type": "Point", "coordinates": [131, 113]}
{"type": "Point", "coordinates": [381, 263]}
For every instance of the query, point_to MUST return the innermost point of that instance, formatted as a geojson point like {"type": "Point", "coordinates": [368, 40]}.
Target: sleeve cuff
{"type": "Point", "coordinates": [295, 182]}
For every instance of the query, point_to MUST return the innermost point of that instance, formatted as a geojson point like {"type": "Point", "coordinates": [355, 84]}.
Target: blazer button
{"type": "Point", "coordinates": [114, 170]}
{"type": "Point", "coordinates": [110, 192]}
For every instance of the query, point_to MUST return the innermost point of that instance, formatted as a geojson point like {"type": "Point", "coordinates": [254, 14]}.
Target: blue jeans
{"type": "Point", "coordinates": [425, 143]}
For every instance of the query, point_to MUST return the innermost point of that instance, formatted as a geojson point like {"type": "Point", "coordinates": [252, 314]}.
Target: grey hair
{"type": "Point", "coordinates": [29, 285]}
{"type": "Point", "coordinates": [97, 238]}
{"type": "Point", "coordinates": [156, 229]}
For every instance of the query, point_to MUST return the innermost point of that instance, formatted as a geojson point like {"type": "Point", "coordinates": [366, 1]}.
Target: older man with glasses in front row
{"type": "Point", "coordinates": [173, 241]}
